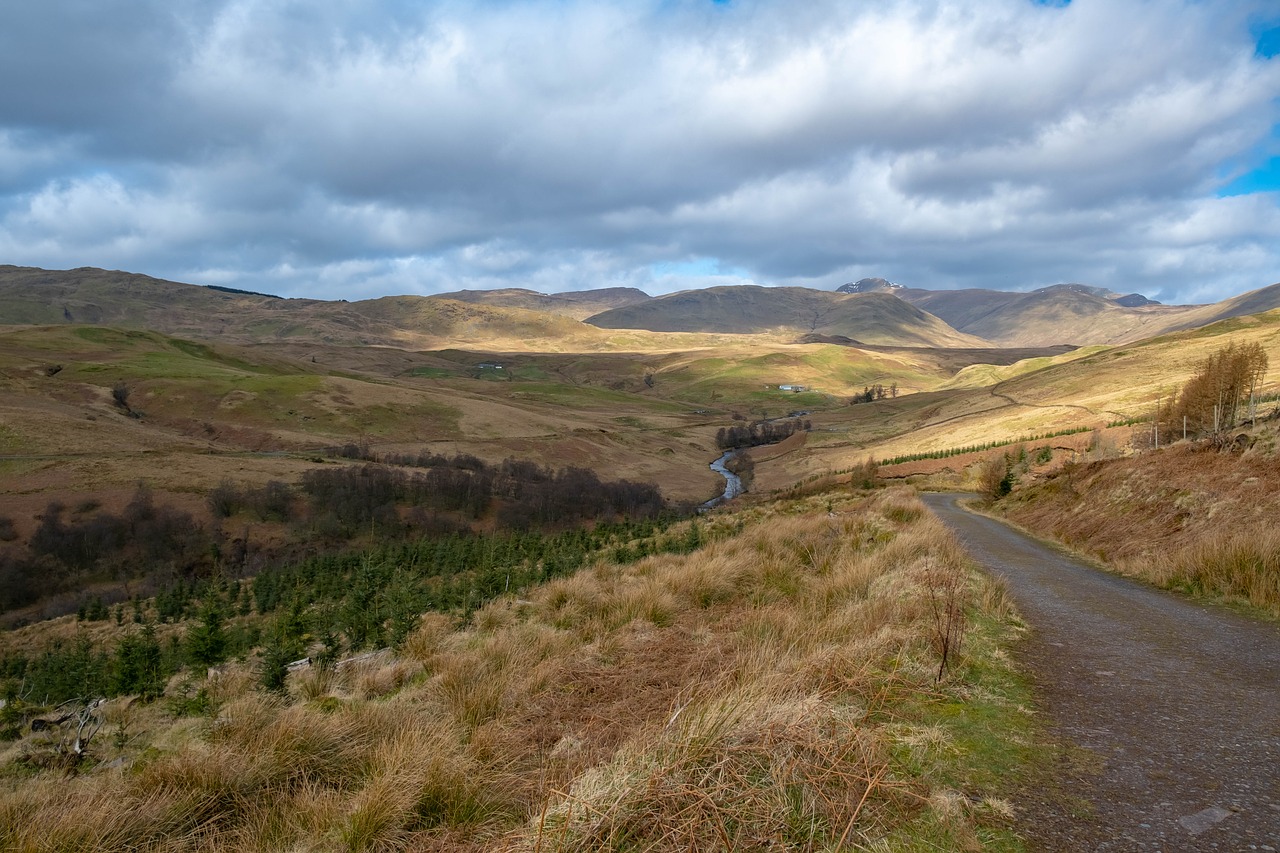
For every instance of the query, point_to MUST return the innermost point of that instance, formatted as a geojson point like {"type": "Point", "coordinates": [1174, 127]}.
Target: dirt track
{"type": "Point", "coordinates": [1174, 705]}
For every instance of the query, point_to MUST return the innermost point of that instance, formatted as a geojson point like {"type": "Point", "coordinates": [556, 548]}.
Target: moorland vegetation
{"type": "Point", "coordinates": [778, 684]}
{"type": "Point", "coordinates": [148, 547]}
{"type": "Point", "coordinates": [398, 577]}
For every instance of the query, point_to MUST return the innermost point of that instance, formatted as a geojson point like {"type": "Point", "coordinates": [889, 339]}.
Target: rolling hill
{"type": "Point", "coordinates": [1061, 314]}
{"type": "Point", "coordinates": [873, 318]}
{"type": "Point", "coordinates": [578, 305]}
{"type": "Point", "coordinates": [871, 311]}
{"type": "Point", "coordinates": [502, 320]}
{"type": "Point", "coordinates": [1076, 314]}
{"type": "Point", "coordinates": [126, 300]}
{"type": "Point", "coordinates": [218, 373]}
{"type": "Point", "coordinates": [1095, 388]}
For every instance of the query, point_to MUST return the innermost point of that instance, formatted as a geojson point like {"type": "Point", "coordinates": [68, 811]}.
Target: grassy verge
{"type": "Point", "coordinates": [1242, 567]}
{"type": "Point", "coordinates": [1186, 518]}
{"type": "Point", "coordinates": [780, 688]}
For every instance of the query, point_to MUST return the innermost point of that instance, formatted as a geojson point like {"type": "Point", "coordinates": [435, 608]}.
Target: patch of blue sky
{"type": "Point", "coordinates": [1263, 163]}
{"type": "Point", "coordinates": [1254, 171]}
{"type": "Point", "coordinates": [1263, 179]}
{"type": "Point", "coordinates": [1266, 37]}
{"type": "Point", "coordinates": [696, 267]}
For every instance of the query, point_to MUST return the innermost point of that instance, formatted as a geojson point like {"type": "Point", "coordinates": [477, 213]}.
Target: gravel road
{"type": "Point", "coordinates": [1174, 705]}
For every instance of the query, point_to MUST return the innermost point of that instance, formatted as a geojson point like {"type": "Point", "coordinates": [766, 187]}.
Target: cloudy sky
{"type": "Point", "coordinates": [360, 148]}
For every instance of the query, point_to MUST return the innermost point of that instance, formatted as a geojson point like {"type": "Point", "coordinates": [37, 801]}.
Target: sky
{"type": "Point", "coordinates": [361, 148]}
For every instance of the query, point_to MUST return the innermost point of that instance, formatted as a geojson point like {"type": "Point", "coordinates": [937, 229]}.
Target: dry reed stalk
{"type": "Point", "coordinates": [872, 782]}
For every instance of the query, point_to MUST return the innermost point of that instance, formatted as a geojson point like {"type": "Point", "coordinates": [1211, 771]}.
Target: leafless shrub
{"type": "Point", "coordinates": [1211, 401]}
{"type": "Point", "coordinates": [945, 584]}
{"type": "Point", "coordinates": [995, 478]}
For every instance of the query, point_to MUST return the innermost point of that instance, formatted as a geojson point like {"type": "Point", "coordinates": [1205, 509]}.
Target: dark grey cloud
{"type": "Point", "coordinates": [371, 147]}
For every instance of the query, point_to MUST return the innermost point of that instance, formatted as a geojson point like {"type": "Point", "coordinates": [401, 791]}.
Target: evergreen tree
{"type": "Point", "coordinates": [138, 667]}
{"type": "Point", "coordinates": [206, 643]}
{"type": "Point", "coordinates": [284, 645]}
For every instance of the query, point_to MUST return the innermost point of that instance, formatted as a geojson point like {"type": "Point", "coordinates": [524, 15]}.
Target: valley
{"type": "Point", "coordinates": [471, 521]}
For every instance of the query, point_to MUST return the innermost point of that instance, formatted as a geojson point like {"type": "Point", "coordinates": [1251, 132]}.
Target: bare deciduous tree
{"type": "Point", "coordinates": [994, 477]}
{"type": "Point", "coordinates": [1212, 400]}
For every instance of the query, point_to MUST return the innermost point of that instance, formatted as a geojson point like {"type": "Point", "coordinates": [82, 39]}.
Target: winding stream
{"type": "Point", "coordinates": [732, 483]}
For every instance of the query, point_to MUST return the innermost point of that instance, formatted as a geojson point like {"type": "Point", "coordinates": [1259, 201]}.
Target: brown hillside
{"type": "Point", "coordinates": [432, 322]}
{"type": "Point", "coordinates": [875, 318]}
{"type": "Point", "coordinates": [30, 296]}
{"type": "Point", "coordinates": [1253, 302]}
{"type": "Point", "coordinates": [1147, 505]}
{"type": "Point", "coordinates": [1086, 388]}
{"type": "Point", "coordinates": [1076, 314]}
{"type": "Point", "coordinates": [578, 305]}
{"type": "Point", "coordinates": [1062, 314]}
{"type": "Point", "coordinates": [1188, 517]}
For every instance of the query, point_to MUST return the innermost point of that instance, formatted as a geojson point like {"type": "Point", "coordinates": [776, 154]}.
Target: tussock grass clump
{"type": "Point", "coordinates": [748, 770]}
{"type": "Point", "coordinates": [1241, 566]}
{"type": "Point", "coordinates": [428, 638]}
{"type": "Point", "coordinates": [771, 690]}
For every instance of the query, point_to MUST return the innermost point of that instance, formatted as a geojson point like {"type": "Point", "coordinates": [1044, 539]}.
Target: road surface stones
{"type": "Point", "coordinates": [1167, 710]}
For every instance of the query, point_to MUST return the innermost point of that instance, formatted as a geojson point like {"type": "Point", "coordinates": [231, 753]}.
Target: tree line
{"type": "Point", "coordinates": [69, 549]}
{"type": "Point", "coordinates": [520, 494]}
{"type": "Point", "coordinates": [1221, 393]}
{"type": "Point", "coordinates": [948, 452]}
{"type": "Point", "coordinates": [147, 545]}
{"type": "Point", "coordinates": [871, 393]}
{"type": "Point", "coordinates": [759, 432]}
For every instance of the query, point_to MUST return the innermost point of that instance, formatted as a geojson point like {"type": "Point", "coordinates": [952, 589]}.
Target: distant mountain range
{"type": "Point", "coordinates": [497, 318]}
{"type": "Point", "coordinates": [872, 311]}
{"type": "Point", "coordinates": [1076, 314]}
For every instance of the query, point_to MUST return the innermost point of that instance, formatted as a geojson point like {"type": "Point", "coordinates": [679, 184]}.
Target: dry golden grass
{"type": "Point", "coordinates": [748, 770]}
{"type": "Point", "coordinates": [741, 697]}
{"type": "Point", "coordinates": [1243, 565]}
{"type": "Point", "coordinates": [1043, 395]}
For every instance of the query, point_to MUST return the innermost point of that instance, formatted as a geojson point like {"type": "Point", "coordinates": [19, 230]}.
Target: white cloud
{"type": "Point", "coordinates": [377, 147]}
